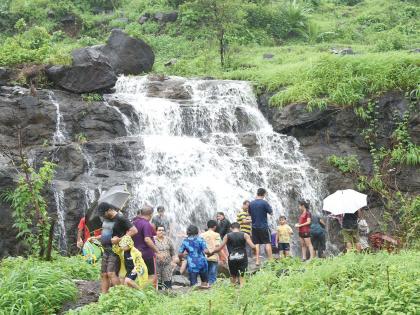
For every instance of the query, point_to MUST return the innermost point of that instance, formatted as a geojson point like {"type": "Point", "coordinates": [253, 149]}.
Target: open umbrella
{"type": "Point", "coordinates": [344, 201]}
{"type": "Point", "coordinates": [116, 196]}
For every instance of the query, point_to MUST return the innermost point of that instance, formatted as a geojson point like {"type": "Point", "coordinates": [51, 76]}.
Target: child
{"type": "Point", "coordinates": [133, 269]}
{"type": "Point", "coordinates": [284, 233]}
{"type": "Point", "coordinates": [195, 248]}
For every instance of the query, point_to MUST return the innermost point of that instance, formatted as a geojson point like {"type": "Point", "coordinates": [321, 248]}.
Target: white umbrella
{"type": "Point", "coordinates": [344, 201]}
{"type": "Point", "coordinates": [116, 196]}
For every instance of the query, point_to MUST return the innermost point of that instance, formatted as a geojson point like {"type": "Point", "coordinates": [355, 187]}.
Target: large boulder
{"type": "Point", "coordinates": [90, 71]}
{"type": "Point", "coordinates": [126, 54]}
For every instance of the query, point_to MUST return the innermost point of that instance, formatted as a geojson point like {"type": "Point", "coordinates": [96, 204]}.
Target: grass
{"type": "Point", "coordinates": [303, 69]}
{"type": "Point", "coordinates": [351, 284]}
{"type": "Point", "coordinates": [30, 286]}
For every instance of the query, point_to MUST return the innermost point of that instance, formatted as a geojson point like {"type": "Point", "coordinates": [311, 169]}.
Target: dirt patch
{"type": "Point", "coordinates": [88, 293]}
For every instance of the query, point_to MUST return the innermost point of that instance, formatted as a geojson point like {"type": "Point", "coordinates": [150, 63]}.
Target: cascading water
{"type": "Point", "coordinates": [212, 151]}
{"type": "Point", "coordinates": [60, 229]}
{"type": "Point", "coordinates": [59, 135]}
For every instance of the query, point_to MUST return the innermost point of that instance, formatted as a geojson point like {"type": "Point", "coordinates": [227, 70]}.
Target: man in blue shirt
{"type": "Point", "coordinates": [258, 209]}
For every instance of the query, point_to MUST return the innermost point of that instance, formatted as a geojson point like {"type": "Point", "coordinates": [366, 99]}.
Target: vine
{"type": "Point", "coordinates": [387, 163]}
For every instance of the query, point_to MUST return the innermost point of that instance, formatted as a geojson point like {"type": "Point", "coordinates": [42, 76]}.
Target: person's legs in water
{"type": "Point", "coordinates": [212, 271]}
{"type": "Point", "coordinates": [308, 244]}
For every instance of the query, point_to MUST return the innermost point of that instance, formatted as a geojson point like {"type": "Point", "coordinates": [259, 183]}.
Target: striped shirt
{"type": "Point", "coordinates": [245, 227]}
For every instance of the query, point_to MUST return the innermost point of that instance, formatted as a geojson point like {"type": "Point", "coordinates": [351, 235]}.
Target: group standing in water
{"type": "Point", "coordinates": [139, 252]}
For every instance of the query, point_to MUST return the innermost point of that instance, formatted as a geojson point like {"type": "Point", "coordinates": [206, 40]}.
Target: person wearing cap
{"type": "Point", "coordinates": [114, 227]}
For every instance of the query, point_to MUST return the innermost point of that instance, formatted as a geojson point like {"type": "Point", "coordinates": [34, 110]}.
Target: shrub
{"type": "Point", "coordinates": [30, 286]}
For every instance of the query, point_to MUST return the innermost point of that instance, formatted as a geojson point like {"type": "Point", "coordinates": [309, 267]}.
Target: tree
{"type": "Point", "coordinates": [29, 206]}
{"type": "Point", "coordinates": [218, 17]}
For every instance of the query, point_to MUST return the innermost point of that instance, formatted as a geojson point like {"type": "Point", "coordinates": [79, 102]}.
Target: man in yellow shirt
{"type": "Point", "coordinates": [213, 240]}
{"type": "Point", "coordinates": [284, 233]}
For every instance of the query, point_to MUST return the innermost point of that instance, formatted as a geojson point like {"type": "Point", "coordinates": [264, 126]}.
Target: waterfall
{"type": "Point", "coordinates": [212, 151]}
{"type": "Point", "coordinates": [60, 228]}
{"type": "Point", "coordinates": [59, 135]}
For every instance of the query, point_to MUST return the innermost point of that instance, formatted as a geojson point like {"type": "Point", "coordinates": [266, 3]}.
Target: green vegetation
{"type": "Point", "coordinates": [29, 206]}
{"type": "Point", "coordinates": [350, 284]}
{"type": "Point", "coordinates": [402, 211]}
{"type": "Point", "coordinates": [227, 39]}
{"type": "Point", "coordinates": [31, 286]}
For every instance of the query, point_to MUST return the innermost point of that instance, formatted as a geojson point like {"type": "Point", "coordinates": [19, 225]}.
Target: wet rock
{"type": "Point", "coordinates": [268, 56]}
{"type": "Point", "coordinates": [7, 75]}
{"type": "Point", "coordinates": [144, 18]}
{"type": "Point", "coordinates": [126, 54]}
{"type": "Point", "coordinates": [180, 280]}
{"type": "Point", "coordinates": [344, 51]}
{"type": "Point", "coordinates": [173, 89]}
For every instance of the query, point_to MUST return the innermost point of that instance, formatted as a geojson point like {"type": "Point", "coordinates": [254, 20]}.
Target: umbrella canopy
{"type": "Point", "coordinates": [344, 201]}
{"type": "Point", "coordinates": [116, 196]}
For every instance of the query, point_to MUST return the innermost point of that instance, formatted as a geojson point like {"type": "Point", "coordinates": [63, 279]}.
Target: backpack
{"type": "Point", "coordinates": [316, 227]}
{"type": "Point", "coordinates": [92, 251]}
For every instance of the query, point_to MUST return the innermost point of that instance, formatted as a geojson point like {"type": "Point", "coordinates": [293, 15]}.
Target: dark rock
{"type": "Point", "coordinates": [126, 54]}
{"type": "Point", "coordinates": [90, 71]}
{"type": "Point", "coordinates": [344, 51]}
{"type": "Point", "coordinates": [416, 50]}
{"type": "Point", "coordinates": [180, 281]}
{"type": "Point", "coordinates": [166, 17]}
{"type": "Point", "coordinates": [144, 18]}
{"type": "Point", "coordinates": [6, 75]}
{"type": "Point", "coordinates": [268, 56]}
{"type": "Point", "coordinates": [70, 25]}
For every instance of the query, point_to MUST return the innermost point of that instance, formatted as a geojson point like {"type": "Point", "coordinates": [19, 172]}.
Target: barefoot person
{"type": "Point", "coordinates": [283, 236]}
{"type": "Point", "coordinates": [236, 242]}
{"type": "Point", "coordinates": [304, 226]}
{"type": "Point", "coordinates": [213, 240]}
{"type": "Point", "coordinates": [114, 227]}
{"type": "Point", "coordinates": [258, 209]}
{"type": "Point", "coordinates": [194, 248]}
{"type": "Point", "coordinates": [166, 261]}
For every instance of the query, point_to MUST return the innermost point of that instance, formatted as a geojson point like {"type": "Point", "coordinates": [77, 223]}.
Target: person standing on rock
{"type": "Point", "coordinates": [114, 227]}
{"type": "Point", "coordinates": [258, 209]}
{"type": "Point", "coordinates": [166, 261]}
{"type": "Point", "coordinates": [244, 219]}
{"type": "Point", "coordinates": [194, 248]}
{"type": "Point", "coordinates": [161, 220]}
{"type": "Point", "coordinates": [144, 241]}
{"type": "Point", "coordinates": [304, 227]}
{"type": "Point", "coordinates": [213, 240]}
{"type": "Point", "coordinates": [223, 224]}
{"type": "Point", "coordinates": [236, 242]}
{"type": "Point", "coordinates": [318, 235]}
{"type": "Point", "coordinates": [350, 231]}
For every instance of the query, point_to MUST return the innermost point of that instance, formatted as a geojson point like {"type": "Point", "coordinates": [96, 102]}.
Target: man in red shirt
{"type": "Point", "coordinates": [83, 230]}
{"type": "Point", "coordinates": [304, 226]}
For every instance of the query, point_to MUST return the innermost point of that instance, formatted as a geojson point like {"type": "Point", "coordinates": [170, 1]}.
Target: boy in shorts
{"type": "Point", "coordinates": [283, 235]}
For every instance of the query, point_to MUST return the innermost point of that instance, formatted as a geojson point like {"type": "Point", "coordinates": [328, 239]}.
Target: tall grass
{"type": "Point", "coordinates": [351, 284]}
{"type": "Point", "coordinates": [30, 286]}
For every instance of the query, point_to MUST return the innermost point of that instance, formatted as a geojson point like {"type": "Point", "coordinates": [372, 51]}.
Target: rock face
{"type": "Point", "coordinates": [337, 131]}
{"type": "Point", "coordinates": [108, 158]}
{"type": "Point", "coordinates": [96, 68]}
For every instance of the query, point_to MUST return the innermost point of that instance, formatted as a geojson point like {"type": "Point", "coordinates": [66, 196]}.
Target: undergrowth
{"type": "Point", "coordinates": [32, 286]}
{"type": "Point", "coordinates": [351, 284]}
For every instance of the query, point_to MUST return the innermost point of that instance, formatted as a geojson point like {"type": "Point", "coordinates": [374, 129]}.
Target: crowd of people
{"type": "Point", "coordinates": [140, 251]}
